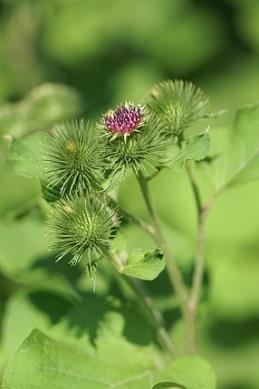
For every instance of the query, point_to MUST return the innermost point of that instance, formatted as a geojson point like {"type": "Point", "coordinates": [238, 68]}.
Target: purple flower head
{"type": "Point", "coordinates": [125, 119]}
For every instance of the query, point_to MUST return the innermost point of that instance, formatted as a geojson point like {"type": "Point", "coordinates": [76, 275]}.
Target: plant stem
{"type": "Point", "coordinates": [194, 298]}
{"type": "Point", "coordinates": [195, 189]}
{"type": "Point", "coordinates": [154, 314]}
{"type": "Point", "coordinates": [173, 270]}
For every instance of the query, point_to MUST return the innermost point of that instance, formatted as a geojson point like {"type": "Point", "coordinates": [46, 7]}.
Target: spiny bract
{"type": "Point", "coordinates": [81, 228]}
{"type": "Point", "coordinates": [73, 161]}
{"type": "Point", "coordinates": [177, 105]}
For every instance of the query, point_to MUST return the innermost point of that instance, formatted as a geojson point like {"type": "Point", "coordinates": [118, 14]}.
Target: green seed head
{"type": "Point", "coordinates": [73, 160]}
{"type": "Point", "coordinates": [177, 105]}
{"type": "Point", "coordinates": [81, 228]}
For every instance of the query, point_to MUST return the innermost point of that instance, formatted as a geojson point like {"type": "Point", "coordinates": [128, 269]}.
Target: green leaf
{"type": "Point", "coordinates": [195, 148]}
{"type": "Point", "coordinates": [25, 154]}
{"type": "Point", "coordinates": [190, 372]}
{"type": "Point", "coordinates": [42, 363]}
{"type": "Point", "coordinates": [239, 162]}
{"type": "Point", "coordinates": [146, 266]}
{"type": "Point", "coordinates": [115, 334]}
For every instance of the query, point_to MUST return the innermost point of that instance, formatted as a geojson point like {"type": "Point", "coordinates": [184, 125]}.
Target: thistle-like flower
{"type": "Point", "coordinates": [73, 161]}
{"type": "Point", "coordinates": [124, 120]}
{"type": "Point", "coordinates": [81, 228]}
{"type": "Point", "coordinates": [133, 140]}
{"type": "Point", "coordinates": [177, 105]}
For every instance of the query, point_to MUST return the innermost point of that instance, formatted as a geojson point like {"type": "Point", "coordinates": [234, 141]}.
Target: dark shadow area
{"type": "Point", "coordinates": [88, 317]}
{"type": "Point", "coordinates": [233, 333]}
{"type": "Point", "coordinates": [52, 304]}
{"type": "Point", "coordinates": [50, 265]}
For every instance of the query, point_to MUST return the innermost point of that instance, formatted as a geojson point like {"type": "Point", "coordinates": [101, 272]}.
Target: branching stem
{"type": "Point", "coordinates": [173, 270]}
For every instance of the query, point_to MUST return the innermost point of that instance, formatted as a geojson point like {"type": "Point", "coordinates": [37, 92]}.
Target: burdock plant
{"type": "Point", "coordinates": [85, 219]}
{"type": "Point", "coordinates": [84, 167]}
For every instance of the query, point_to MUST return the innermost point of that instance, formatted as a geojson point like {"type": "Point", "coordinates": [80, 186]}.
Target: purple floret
{"type": "Point", "coordinates": [125, 119]}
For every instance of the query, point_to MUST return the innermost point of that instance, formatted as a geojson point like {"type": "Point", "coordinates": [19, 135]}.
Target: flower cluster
{"type": "Point", "coordinates": [81, 158]}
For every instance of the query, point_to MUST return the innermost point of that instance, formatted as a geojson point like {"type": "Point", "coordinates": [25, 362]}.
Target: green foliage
{"type": "Point", "coordinates": [106, 355]}
{"type": "Point", "coordinates": [191, 372]}
{"type": "Point", "coordinates": [216, 45]}
{"type": "Point", "coordinates": [194, 148]}
{"type": "Point", "coordinates": [238, 155]}
{"type": "Point", "coordinates": [103, 355]}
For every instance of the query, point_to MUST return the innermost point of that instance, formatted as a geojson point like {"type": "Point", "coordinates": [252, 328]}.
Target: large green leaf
{"type": "Point", "coordinates": [191, 372]}
{"type": "Point", "coordinates": [144, 265]}
{"type": "Point", "coordinates": [239, 162]}
{"type": "Point", "coordinates": [106, 345]}
{"type": "Point", "coordinates": [43, 362]}
{"type": "Point", "coordinates": [102, 361]}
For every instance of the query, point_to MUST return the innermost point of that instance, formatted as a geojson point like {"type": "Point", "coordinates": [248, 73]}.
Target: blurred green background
{"type": "Point", "coordinates": [110, 51]}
